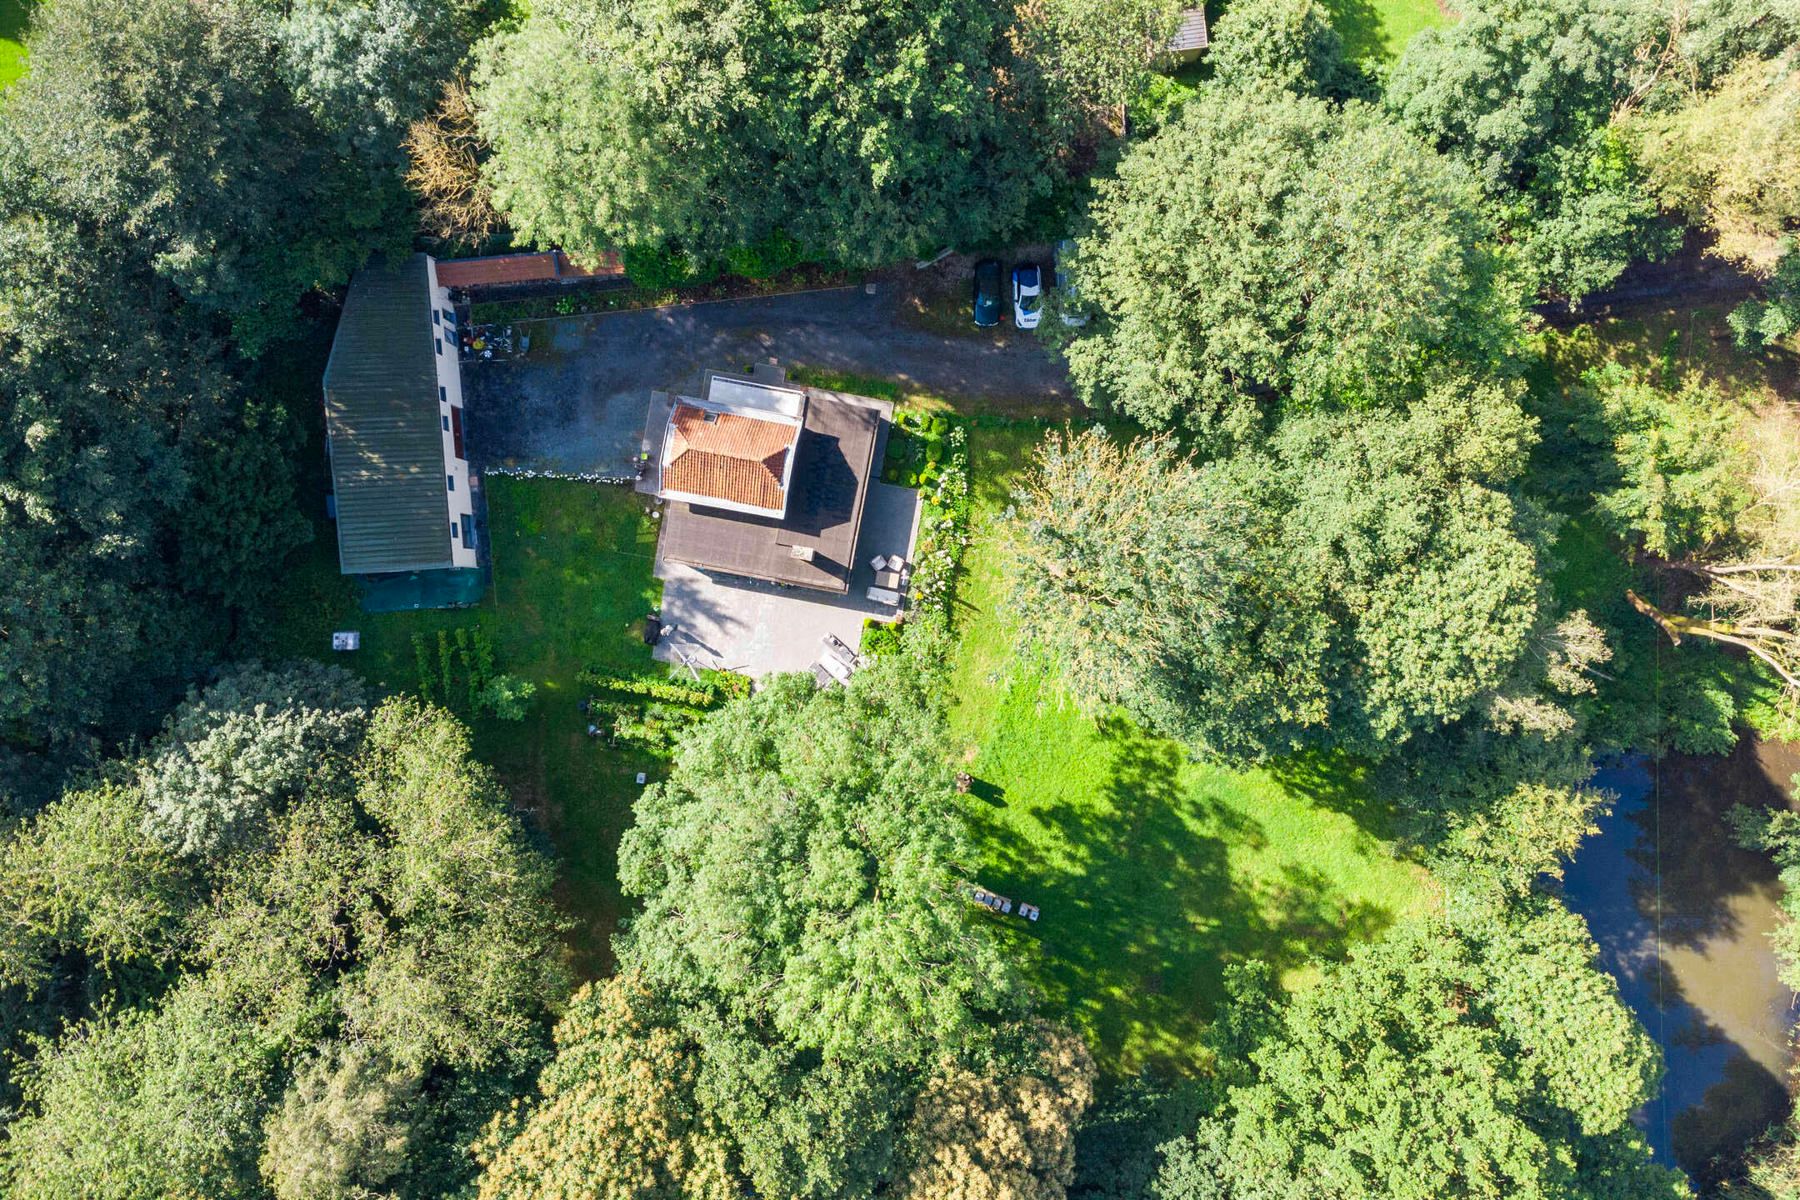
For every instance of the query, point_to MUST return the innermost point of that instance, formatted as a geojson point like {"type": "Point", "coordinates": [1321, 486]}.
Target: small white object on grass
{"type": "Point", "coordinates": [641, 777]}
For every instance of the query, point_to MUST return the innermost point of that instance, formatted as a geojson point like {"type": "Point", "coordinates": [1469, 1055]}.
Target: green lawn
{"type": "Point", "coordinates": [1381, 28]}
{"type": "Point", "coordinates": [1153, 872]}
{"type": "Point", "coordinates": [572, 577]}
{"type": "Point", "coordinates": [15, 15]}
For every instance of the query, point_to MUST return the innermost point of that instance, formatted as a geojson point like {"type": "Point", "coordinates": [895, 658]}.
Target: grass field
{"type": "Point", "coordinates": [15, 15]}
{"type": "Point", "coordinates": [1381, 28]}
{"type": "Point", "coordinates": [1153, 872]}
{"type": "Point", "coordinates": [572, 577]}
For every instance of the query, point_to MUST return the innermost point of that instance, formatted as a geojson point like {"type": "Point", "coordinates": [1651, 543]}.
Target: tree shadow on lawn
{"type": "Point", "coordinates": [1341, 784]}
{"type": "Point", "coordinates": [1142, 907]}
{"type": "Point", "coordinates": [1360, 25]}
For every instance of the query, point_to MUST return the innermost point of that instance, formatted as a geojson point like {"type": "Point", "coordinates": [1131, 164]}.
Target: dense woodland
{"type": "Point", "coordinates": [270, 934]}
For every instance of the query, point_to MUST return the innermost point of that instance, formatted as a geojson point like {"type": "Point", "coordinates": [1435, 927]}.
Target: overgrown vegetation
{"type": "Point", "coordinates": [1277, 695]}
{"type": "Point", "coordinates": [205, 1040]}
{"type": "Point", "coordinates": [572, 584]}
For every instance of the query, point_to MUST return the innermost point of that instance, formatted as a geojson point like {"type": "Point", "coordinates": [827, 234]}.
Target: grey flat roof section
{"type": "Point", "coordinates": [381, 414]}
{"type": "Point", "coordinates": [831, 479]}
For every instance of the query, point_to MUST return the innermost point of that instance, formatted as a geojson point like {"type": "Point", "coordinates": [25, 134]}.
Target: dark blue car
{"type": "Point", "coordinates": [987, 293]}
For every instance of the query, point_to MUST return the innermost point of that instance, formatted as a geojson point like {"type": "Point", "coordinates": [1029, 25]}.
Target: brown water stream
{"type": "Point", "coordinates": [1682, 915]}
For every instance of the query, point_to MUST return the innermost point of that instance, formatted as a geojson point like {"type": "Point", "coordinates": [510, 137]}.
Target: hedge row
{"type": "Point", "coordinates": [704, 695]}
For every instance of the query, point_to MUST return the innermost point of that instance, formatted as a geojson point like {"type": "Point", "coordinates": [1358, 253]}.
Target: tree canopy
{"type": "Point", "coordinates": [867, 131]}
{"type": "Point", "coordinates": [369, 953]}
{"type": "Point", "coordinates": [1363, 580]}
{"type": "Point", "coordinates": [804, 965]}
{"type": "Point", "coordinates": [1490, 1060]}
{"type": "Point", "coordinates": [157, 120]}
{"type": "Point", "coordinates": [1282, 43]}
{"type": "Point", "coordinates": [1268, 248]}
{"type": "Point", "coordinates": [1522, 91]}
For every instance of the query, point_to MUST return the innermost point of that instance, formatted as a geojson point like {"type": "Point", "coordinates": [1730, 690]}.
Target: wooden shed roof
{"type": "Point", "coordinates": [1191, 34]}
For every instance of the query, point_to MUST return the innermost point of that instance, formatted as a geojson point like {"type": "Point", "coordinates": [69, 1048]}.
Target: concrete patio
{"type": "Point", "coordinates": [759, 629]}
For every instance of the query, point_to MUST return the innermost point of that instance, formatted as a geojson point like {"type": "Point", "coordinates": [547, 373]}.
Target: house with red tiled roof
{"type": "Point", "coordinates": [735, 449]}
{"type": "Point", "coordinates": [762, 479]}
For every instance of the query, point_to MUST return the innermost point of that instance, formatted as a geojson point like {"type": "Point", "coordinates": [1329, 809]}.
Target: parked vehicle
{"type": "Point", "coordinates": [987, 293]}
{"type": "Point", "coordinates": [1027, 295]}
{"type": "Point", "coordinates": [1068, 307]}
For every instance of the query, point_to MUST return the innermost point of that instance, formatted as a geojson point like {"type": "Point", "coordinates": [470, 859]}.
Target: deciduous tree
{"type": "Point", "coordinates": [1288, 44]}
{"type": "Point", "coordinates": [818, 997]}
{"type": "Point", "coordinates": [1266, 248]}
{"type": "Point", "coordinates": [1488, 1060]}
{"type": "Point", "coordinates": [232, 754]}
{"type": "Point", "coordinates": [1001, 1136]}
{"type": "Point", "coordinates": [143, 1103]}
{"type": "Point", "coordinates": [157, 120]}
{"type": "Point", "coordinates": [342, 1128]}
{"type": "Point", "coordinates": [1729, 157]}
{"type": "Point", "coordinates": [445, 150]}
{"type": "Point", "coordinates": [1366, 580]}
{"type": "Point", "coordinates": [867, 130]}
{"type": "Point", "coordinates": [868, 952]}
{"type": "Point", "coordinates": [617, 1118]}
{"type": "Point", "coordinates": [82, 875]}
{"type": "Point", "coordinates": [1522, 91]}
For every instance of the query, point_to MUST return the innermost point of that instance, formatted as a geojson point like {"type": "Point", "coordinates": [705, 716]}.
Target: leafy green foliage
{"type": "Point", "coordinates": [456, 669]}
{"type": "Point", "coordinates": [145, 1103]}
{"type": "Point", "coordinates": [1521, 90]}
{"type": "Point", "coordinates": [1088, 59]}
{"type": "Point", "coordinates": [1266, 247]}
{"type": "Point", "coordinates": [868, 954]}
{"type": "Point", "coordinates": [145, 472]}
{"type": "Point", "coordinates": [1763, 322]}
{"type": "Point", "coordinates": [106, 390]}
{"type": "Point", "coordinates": [1680, 462]}
{"type": "Point", "coordinates": [365, 71]}
{"type": "Point", "coordinates": [1502, 797]}
{"type": "Point", "coordinates": [817, 998]}
{"type": "Point", "coordinates": [891, 126]}
{"type": "Point", "coordinates": [1483, 1061]}
{"type": "Point", "coordinates": [156, 119]}
{"type": "Point", "coordinates": [701, 696]}
{"type": "Point", "coordinates": [1364, 581]}
{"type": "Point", "coordinates": [507, 697]}
{"type": "Point", "coordinates": [1288, 44]}
{"type": "Point", "coordinates": [1729, 157]}
{"type": "Point", "coordinates": [84, 876]}
{"type": "Point", "coordinates": [383, 951]}
{"type": "Point", "coordinates": [451, 980]}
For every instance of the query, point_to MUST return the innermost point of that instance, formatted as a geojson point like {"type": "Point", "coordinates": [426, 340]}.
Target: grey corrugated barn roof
{"type": "Point", "coordinates": [381, 414]}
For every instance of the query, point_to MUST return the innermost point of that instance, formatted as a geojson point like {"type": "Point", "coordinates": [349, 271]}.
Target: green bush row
{"type": "Point", "coordinates": [703, 695]}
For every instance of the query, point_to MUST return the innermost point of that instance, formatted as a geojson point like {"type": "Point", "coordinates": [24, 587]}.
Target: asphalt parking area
{"type": "Point", "coordinates": [575, 402]}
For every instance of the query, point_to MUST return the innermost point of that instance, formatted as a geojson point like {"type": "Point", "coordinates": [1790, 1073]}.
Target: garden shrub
{"type": "Point", "coordinates": [703, 695]}
{"type": "Point", "coordinates": [764, 258]}
{"type": "Point", "coordinates": [507, 697]}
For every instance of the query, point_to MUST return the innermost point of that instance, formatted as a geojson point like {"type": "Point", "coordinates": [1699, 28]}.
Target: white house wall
{"type": "Point", "coordinates": [460, 502]}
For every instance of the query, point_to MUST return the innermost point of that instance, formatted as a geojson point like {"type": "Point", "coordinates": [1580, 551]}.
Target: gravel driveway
{"type": "Point", "coordinates": [576, 401]}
